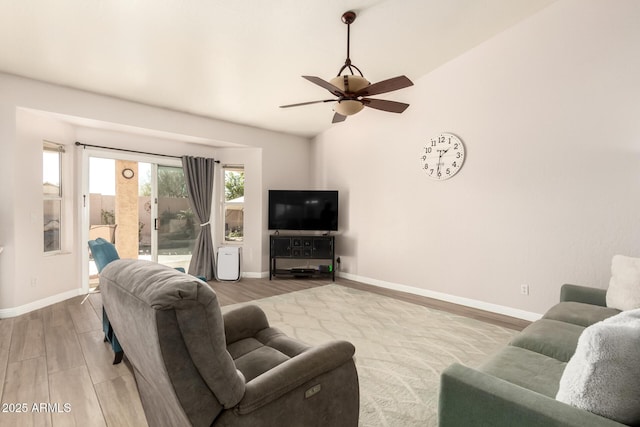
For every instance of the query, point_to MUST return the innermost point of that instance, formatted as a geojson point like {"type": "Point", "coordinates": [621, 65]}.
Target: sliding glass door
{"type": "Point", "coordinates": [101, 206]}
{"type": "Point", "coordinates": [142, 207]}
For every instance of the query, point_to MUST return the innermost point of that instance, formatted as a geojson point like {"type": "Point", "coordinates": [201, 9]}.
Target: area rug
{"type": "Point", "coordinates": [401, 348]}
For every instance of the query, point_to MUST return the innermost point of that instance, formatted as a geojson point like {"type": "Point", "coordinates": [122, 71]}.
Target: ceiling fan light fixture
{"type": "Point", "coordinates": [348, 107]}
{"type": "Point", "coordinates": [349, 83]}
{"type": "Point", "coordinates": [353, 91]}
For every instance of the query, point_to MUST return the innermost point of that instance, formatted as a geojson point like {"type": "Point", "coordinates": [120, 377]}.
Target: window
{"type": "Point", "coordinates": [52, 195]}
{"type": "Point", "coordinates": [233, 206]}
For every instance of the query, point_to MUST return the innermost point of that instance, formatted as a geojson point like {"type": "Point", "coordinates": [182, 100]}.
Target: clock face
{"type": "Point", "coordinates": [128, 173]}
{"type": "Point", "coordinates": [442, 156]}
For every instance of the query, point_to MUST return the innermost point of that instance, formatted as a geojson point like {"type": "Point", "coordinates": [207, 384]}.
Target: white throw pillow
{"type": "Point", "coordinates": [603, 376]}
{"type": "Point", "coordinates": [624, 286]}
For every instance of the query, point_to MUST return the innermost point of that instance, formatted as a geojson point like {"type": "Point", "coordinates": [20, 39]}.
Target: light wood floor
{"type": "Point", "coordinates": [56, 356]}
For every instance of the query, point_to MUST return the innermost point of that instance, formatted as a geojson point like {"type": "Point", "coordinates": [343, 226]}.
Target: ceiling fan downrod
{"type": "Point", "coordinates": [348, 18]}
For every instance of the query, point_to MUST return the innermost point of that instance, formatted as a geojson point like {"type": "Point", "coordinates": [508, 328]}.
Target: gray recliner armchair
{"type": "Point", "coordinates": [195, 366]}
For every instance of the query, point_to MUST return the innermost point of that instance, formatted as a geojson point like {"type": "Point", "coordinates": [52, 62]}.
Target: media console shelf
{"type": "Point", "coordinates": [306, 247]}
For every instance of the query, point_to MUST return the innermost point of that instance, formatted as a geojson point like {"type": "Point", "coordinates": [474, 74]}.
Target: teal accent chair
{"type": "Point", "coordinates": [103, 253]}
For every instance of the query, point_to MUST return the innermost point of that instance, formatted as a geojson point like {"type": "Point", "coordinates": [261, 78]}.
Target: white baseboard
{"type": "Point", "coordinates": [255, 275]}
{"type": "Point", "coordinates": [35, 305]}
{"type": "Point", "coordinates": [481, 305]}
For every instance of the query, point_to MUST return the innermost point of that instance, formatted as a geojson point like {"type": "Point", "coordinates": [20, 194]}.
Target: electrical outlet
{"type": "Point", "coordinates": [524, 289]}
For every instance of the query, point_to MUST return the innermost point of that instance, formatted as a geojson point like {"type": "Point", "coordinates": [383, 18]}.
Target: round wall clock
{"type": "Point", "coordinates": [128, 173]}
{"type": "Point", "coordinates": [442, 156]}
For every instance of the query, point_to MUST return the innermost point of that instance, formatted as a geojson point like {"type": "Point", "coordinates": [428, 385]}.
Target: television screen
{"type": "Point", "coordinates": [303, 210]}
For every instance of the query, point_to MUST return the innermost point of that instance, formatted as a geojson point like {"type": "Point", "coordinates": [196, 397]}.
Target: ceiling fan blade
{"type": "Point", "coordinates": [385, 86]}
{"type": "Point", "coordinates": [307, 103]}
{"type": "Point", "coordinates": [337, 118]}
{"type": "Point", "coordinates": [328, 86]}
{"type": "Point", "coordinates": [384, 105]}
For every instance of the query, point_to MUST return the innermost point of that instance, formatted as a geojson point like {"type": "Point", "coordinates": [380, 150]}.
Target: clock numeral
{"type": "Point", "coordinates": [431, 172]}
{"type": "Point", "coordinates": [455, 146]}
{"type": "Point", "coordinates": [433, 143]}
{"type": "Point", "coordinates": [448, 171]}
{"type": "Point", "coordinates": [454, 164]}
{"type": "Point", "coordinates": [426, 165]}
{"type": "Point", "coordinates": [458, 155]}
{"type": "Point", "coordinates": [424, 158]}
{"type": "Point", "coordinates": [428, 150]}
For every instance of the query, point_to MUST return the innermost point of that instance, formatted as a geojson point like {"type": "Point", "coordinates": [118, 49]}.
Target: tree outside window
{"type": "Point", "coordinates": [233, 203]}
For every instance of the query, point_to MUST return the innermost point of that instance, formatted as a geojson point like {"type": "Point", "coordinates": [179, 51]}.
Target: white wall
{"type": "Point", "coordinates": [549, 112]}
{"type": "Point", "coordinates": [31, 111]}
{"type": "Point", "coordinates": [44, 275]}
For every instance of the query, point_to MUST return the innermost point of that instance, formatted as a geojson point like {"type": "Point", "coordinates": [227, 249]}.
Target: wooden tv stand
{"type": "Point", "coordinates": [304, 247]}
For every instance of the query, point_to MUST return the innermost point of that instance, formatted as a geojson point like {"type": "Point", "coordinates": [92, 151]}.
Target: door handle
{"type": "Point", "coordinates": [155, 224]}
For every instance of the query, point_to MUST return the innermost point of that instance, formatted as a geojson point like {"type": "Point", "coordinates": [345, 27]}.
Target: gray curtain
{"type": "Point", "coordinates": [198, 174]}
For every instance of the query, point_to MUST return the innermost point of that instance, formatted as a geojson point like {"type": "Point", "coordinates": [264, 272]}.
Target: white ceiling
{"type": "Point", "coordinates": [238, 60]}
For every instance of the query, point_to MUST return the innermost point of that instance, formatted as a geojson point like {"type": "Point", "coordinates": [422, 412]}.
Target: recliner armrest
{"type": "Point", "coordinates": [293, 373]}
{"type": "Point", "coordinates": [584, 294]}
{"type": "Point", "coordinates": [244, 322]}
{"type": "Point", "coordinates": [470, 397]}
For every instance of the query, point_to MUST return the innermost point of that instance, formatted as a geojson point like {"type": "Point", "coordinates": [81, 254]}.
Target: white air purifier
{"type": "Point", "coordinates": [228, 264]}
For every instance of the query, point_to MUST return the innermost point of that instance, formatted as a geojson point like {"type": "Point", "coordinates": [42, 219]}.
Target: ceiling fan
{"type": "Point", "coordinates": [352, 91]}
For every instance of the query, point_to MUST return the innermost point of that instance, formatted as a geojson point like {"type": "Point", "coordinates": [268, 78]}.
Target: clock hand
{"type": "Point", "coordinates": [439, 160]}
{"type": "Point", "coordinates": [442, 153]}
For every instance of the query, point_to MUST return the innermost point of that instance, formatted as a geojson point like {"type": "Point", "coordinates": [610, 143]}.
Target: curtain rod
{"type": "Point", "coordinates": [130, 151]}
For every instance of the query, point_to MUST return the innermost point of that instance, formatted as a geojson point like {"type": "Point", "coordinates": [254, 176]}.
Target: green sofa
{"type": "Point", "coordinates": [518, 385]}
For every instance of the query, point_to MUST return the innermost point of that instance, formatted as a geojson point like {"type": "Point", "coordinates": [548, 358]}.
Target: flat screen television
{"type": "Point", "coordinates": [312, 210]}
